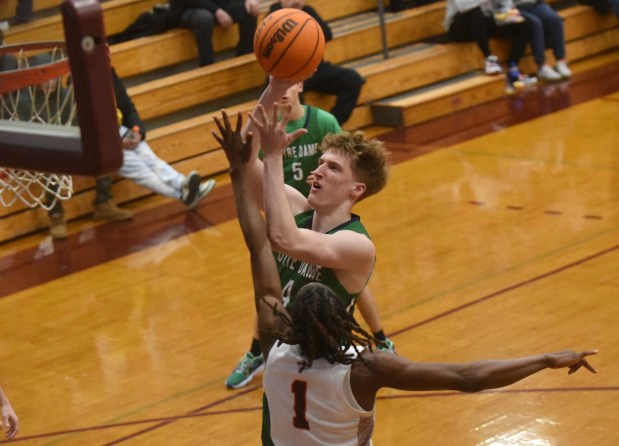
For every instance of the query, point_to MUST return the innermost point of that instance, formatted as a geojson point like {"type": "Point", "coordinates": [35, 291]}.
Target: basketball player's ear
{"type": "Point", "coordinates": [358, 190]}
{"type": "Point", "coordinates": [300, 84]}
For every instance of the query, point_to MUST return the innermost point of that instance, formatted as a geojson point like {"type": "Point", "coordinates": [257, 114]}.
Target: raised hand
{"type": "Point", "coordinates": [252, 7]}
{"type": "Point", "coordinates": [131, 138]}
{"type": "Point", "coordinates": [237, 151]}
{"type": "Point", "coordinates": [273, 136]}
{"type": "Point", "coordinates": [223, 18]}
{"type": "Point", "coordinates": [573, 360]}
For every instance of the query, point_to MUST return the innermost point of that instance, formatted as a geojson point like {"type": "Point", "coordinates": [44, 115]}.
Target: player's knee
{"type": "Point", "coordinates": [352, 79]}
{"type": "Point", "coordinates": [201, 20]}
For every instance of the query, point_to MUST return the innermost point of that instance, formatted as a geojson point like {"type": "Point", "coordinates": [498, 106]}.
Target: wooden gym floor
{"type": "Point", "coordinates": [497, 236]}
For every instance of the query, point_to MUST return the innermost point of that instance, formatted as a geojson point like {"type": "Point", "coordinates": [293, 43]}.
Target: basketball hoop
{"type": "Point", "coordinates": [33, 188]}
{"type": "Point", "coordinates": [41, 104]}
{"type": "Point", "coordinates": [37, 94]}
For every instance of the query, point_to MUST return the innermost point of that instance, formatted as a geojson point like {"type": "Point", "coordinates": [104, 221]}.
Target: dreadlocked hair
{"type": "Point", "coordinates": [321, 326]}
{"type": "Point", "coordinates": [369, 158]}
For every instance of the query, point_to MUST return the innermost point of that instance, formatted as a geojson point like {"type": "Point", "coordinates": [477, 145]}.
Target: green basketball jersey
{"type": "Point", "coordinates": [301, 157]}
{"type": "Point", "coordinates": [294, 274]}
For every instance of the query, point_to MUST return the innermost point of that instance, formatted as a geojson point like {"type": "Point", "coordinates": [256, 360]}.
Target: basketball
{"type": "Point", "coordinates": [289, 44]}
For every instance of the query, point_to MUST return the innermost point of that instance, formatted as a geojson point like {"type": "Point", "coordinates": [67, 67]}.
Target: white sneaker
{"type": "Point", "coordinates": [204, 189]}
{"type": "Point", "coordinates": [518, 80]}
{"type": "Point", "coordinates": [191, 187]}
{"type": "Point", "coordinates": [563, 69]}
{"type": "Point", "coordinates": [546, 73]}
{"type": "Point", "coordinates": [492, 65]}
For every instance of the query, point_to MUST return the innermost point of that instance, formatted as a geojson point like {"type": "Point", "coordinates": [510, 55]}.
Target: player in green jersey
{"type": "Point", "coordinates": [322, 375]}
{"type": "Point", "coordinates": [331, 243]}
{"type": "Point", "coordinates": [300, 158]}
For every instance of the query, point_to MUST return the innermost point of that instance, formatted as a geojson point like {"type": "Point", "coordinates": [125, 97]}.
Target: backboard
{"type": "Point", "coordinates": [93, 147]}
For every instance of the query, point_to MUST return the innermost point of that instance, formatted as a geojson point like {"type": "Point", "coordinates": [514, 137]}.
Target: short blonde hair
{"type": "Point", "coordinates": [369, 158]}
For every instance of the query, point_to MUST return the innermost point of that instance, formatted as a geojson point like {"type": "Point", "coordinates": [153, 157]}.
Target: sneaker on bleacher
{"type": "Point", "coordinates": [546, 73]}
{"type": "Point", "coordinates": [563, 69]}
{"type": "Point", "coordinates": [109, 211]}
{"type": "Point", "coordinates": [518, 80]}
{"type": "Point", "coordinates": [492, 65]}
{"type": "Point", "coordinates": [58, 226]}
{"type": "Point", "coordinates": [190, 188]}
{"type": "Point", "coordinates": [203, 190]}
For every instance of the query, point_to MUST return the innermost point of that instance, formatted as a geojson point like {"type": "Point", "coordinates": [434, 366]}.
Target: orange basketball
{"type": "Point", "coordinates": [289, 44]}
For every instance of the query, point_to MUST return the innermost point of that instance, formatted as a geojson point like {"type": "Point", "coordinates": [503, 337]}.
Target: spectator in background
{"type": "Point", "coordinates": [478, 20]}
{"type": "Point", "coordinates": [603, 6]}
{"type": "Point", "coordinates": [9, 418]}
{"type": "Point", "coordinates": [201, 16]}
{"type": "Point", "coordinates": [400, 5]}
{"type": "Point", "coordinates": [329, 78]}
{"type": "Point", "coordinates": [546, 26]}
{"type": "Point", "coordinates": [23, 12]}
{"type": "Point", "coordinates": [7, 61]}
{"type": "Point", "coordinates": [141, 165]}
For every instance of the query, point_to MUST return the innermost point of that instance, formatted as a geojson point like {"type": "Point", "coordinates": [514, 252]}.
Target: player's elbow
{"type": "Point", "coordinates": [279, 241]}
{"type": "Point", "coordinates": [471, 385]}
{"type": "Point", "coordinates": [280, 244]}
{"type": "Point", "coordinates": [470, 381]}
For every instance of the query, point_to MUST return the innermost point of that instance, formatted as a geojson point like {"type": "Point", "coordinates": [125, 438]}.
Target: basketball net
{"type": "Point", "coordinates": [48, 99]}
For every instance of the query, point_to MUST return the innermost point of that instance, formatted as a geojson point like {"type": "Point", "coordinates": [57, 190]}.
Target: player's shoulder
{"type": "Point", "coordinates": [325, 119]}
{"type": "Point", "coordinates": [354, 225]}
{"type": "Point", "coordinates": [367, 366]}
{"type": "Point", "coordinates": [378, 365]}
{"type": "Point", "coordinates": [324, 114]}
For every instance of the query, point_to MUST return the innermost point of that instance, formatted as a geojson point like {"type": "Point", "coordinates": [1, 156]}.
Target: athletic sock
{"type": "Point", "coordinates": [380, 335]}
{"type": "Point", "coordinates": [255, 347]}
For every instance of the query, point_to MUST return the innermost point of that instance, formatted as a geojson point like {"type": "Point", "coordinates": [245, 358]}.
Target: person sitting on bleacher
{"type": "Point", "coordinates": [546, 26]}
{"type": "Point", "coordinates": [7, 61]}
{"type": "Point", "coordinates": [478, 20]}
{"type": "Point", "coordinates": [140, 164]}
{"type": "Point", "coordinates": [401, 5]}
{"type": "Point", "coordinates": [329, 78]}
{"type": "Point", "coordinates": [603, 7]}
{"type": "Point", "coordinates": [23, 12]}
{"type": "Point", "coordinates": [201, 16]}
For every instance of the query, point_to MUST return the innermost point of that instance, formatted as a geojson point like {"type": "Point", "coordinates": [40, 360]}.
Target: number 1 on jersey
{"type": "Point", "coordinates": [299, 389]}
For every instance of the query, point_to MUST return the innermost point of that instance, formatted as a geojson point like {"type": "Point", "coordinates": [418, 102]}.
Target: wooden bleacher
{"type": "Point", "coordinates": [585, 33]}
{"type": "Point", "coordinates": [177, 45]}
{"type": "Point", "coordinates": [7, 7]}
{"type": "Point", "coordinates": [233, 76]}
{"type": "Point", "coordinates": [188, 144]}
{"type": "Point", "coordinates": [117, 15]}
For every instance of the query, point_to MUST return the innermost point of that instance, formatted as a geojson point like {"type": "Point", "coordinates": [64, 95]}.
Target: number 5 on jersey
{"type": "Point", "coordinates": [297, 171]}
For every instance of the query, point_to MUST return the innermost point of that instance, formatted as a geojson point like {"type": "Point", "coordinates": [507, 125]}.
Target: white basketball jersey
{"type": "Point", "coordinates": [315, 407]}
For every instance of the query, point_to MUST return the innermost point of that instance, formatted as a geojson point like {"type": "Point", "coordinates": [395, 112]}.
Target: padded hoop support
{"type": "Point", "coordinates": [96, 149]}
